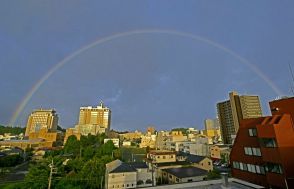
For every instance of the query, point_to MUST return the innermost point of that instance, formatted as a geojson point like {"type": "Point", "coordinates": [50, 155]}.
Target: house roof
{"type": "Point", "coordinates": [191, 158]}
{"type": "Point", "coordinates": [124, 167]}
{"type": "Point", "coordinates": [195, 158]}
{"type": "Point", "coordinates": [138, 165]}
{"type": "Point", "coordinates": [184, 172]}
{"type": "Point", "coordinates": [172, 163]}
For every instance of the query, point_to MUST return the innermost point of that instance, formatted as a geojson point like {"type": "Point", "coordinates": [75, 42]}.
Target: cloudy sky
{"type": "Point", "coordinates": [164, 63]}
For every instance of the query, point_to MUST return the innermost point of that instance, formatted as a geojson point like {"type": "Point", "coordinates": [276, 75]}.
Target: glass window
{"type": "Point", "coordinates": [269, 142]}
{"type": "Point", "coordinates": [252, 132]}
{"type": "Point", "coordinates": [274, 168]}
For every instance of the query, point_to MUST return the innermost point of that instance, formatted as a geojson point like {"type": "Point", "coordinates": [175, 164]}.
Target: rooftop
{"type": "Point", "coordinates": [184, 172]}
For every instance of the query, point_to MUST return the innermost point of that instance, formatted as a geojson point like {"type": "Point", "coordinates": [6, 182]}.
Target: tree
{"type": "Point", "coordinates": [37, 177]}
{"type": "Point", "coordinates": [72, 145]}
{"type": "Point", "coordinates": [214, 174]}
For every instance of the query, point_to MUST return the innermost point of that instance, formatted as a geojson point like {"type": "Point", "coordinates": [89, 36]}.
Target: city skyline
{"type": "Point", "coordinates": [151, 63]}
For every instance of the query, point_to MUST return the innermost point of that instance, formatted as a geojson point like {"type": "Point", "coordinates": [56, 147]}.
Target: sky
{"type": "Point", "coordinates": [164, 63]}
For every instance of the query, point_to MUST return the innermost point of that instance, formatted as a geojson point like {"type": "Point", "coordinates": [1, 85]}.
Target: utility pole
{"type": "Point", "coordinates": [53, 169]}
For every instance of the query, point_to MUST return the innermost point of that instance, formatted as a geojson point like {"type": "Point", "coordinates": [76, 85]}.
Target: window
{"type": "Point", "coordinates": [256, 151]}
{"type": "Point", "coordinates": [269, 142]}
{"type": "Point", "coordinates": [252, 151]}
{"type": "Point", "coordinates": [252, 132]}
{"type": "Point", "coordinates": [248, 151]}
{"type": "Point", "coordinates": [274, 168]}
{"type": "Point", "coordinates": [163, 157]}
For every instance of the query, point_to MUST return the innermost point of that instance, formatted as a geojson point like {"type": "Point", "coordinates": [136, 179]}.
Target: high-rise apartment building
{"type": "Point", "coordinates": [212, 130]}
{"type": "Point", "coordinates": [94, 120]}
{"type": "Point", "coordinates": [232, 111]}
{"type": "Point", "coordinates": [42, 119]}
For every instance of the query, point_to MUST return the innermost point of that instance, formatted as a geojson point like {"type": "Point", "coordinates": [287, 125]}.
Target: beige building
{"type": "Point", "coordinates": [43, 138]}
{"type": "Point", "coordinates": [232, 111]}
{"type": "Point", "coordinates": [71, 131]}
{"type": "Point", "coordinates": [40, 119]}
{"type": "Point", "coordinates": [127, 175]}
{"type": "Point", "coordinates": [94, 120]}
{"type": "Point", "coordinates": [161, 156]}
{"type": "Point", "coordinates": [218, 152]}
{"type": "Point", "coordinates": [148, 141]}
{"type": "Point", "coordinates": [212, 130]}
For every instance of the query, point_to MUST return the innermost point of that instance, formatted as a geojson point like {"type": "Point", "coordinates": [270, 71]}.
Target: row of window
{"type": "Point", "coordinates": [259, 169]}
{"type": "Point", "coordinates": [249, 167]}
{"type": "Point", "coordinates": [123, 185]}
{"type": "Point", "coordinates": [252, 151]}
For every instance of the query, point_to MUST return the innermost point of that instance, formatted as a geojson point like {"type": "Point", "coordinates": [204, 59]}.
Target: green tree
{"type": "Point", "coordinates": [37, 177]}
{"type": "Point", "coordinates": [72, 145]}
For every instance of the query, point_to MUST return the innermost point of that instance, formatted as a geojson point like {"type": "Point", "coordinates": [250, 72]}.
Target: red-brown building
{"type": "Point", "coordinates": [263, 152]}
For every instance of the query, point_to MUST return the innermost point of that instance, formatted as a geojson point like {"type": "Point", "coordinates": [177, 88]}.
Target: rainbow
{"type": "Point", "coordinates": [60, 64]}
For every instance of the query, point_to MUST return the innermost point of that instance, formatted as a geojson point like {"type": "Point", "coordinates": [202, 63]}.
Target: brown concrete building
{"type": "Point", "coordinates": [232, 111]}
{"type": "Point", "coordinates": [40, 119]}
{"type": "Point", "coordinates": [263, 152]}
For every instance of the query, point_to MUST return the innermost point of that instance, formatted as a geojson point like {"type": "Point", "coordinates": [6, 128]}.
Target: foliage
{"type": "Point", "coordinates": [214, 174]}
{"type": "Point", "coordinates": [139, 182]}
{"type": "Point", "coordinates": [148, 181]}
{"type": "Point", "coordinates": [10, 160]}
{"type": "Point", "coordinates": [12, 130]}
{"type": "Point", "coordinates": [84, 169]}
{"type": "Point", "coordinates": [72, 145]}
{"type": "Point", "coordinates": [184, 130]}
{"type": "Point", "coordinates": [38, 175]}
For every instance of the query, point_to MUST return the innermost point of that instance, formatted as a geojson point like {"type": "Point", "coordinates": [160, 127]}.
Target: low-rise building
{"type": "Point", "coordinates": [183, 174]}
{"type": "Point", "coordinates": [127, 175]}
{"type": "Point", "coordinates": [40, 139]}
{"type": "Point", "coordinates": [114, 140]}
{"type": "Point", "coordinates": [218, 152]}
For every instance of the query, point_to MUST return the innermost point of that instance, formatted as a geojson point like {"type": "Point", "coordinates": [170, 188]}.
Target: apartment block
{"type": "Point", "coordinates": [263, 152]}
{"type": "Point", "coordinates": [232, 111]}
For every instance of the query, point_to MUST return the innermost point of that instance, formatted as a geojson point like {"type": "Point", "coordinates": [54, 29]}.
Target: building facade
{"type": "Point", "coordinates": [94, 120]}
{"type": "Point", "coordinates": [264, 149]}
{"type": "Point", "coordinates": [232, 111]}
{"type": "Point", "coordinates": [127, 175]}
{"type": "Point", "coordinates": [40, 119]}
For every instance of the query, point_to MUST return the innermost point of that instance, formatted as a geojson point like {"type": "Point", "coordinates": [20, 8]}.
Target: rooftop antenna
{"type": "Point", "coordinates": [292, 76]}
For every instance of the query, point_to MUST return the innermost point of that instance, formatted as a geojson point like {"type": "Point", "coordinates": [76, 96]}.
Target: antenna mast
{"type": "Point", "coordinates": [292, 76]}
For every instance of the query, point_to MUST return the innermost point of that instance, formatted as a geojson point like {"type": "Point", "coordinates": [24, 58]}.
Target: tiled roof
{"type": "Point", "coordinates": [138, 165]}
{"type": "Point", "coordinates": [191, 158]}
{"type": "Point", "coordinates": [124, 167]}
{"type": "Point", "coordinates": [185, 172]}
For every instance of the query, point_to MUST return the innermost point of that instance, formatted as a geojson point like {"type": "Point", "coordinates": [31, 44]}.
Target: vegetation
{"type": "Point", "coordinates": [80, 165]}
{"type": "Point", "coordinates": [214, 174]}
{"type": "Point", "coordinates": [12, 130]}
{"type": "Point", "coordinates": [184, 130]}
{"type": "Point", "coordinates": [11, 160]}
